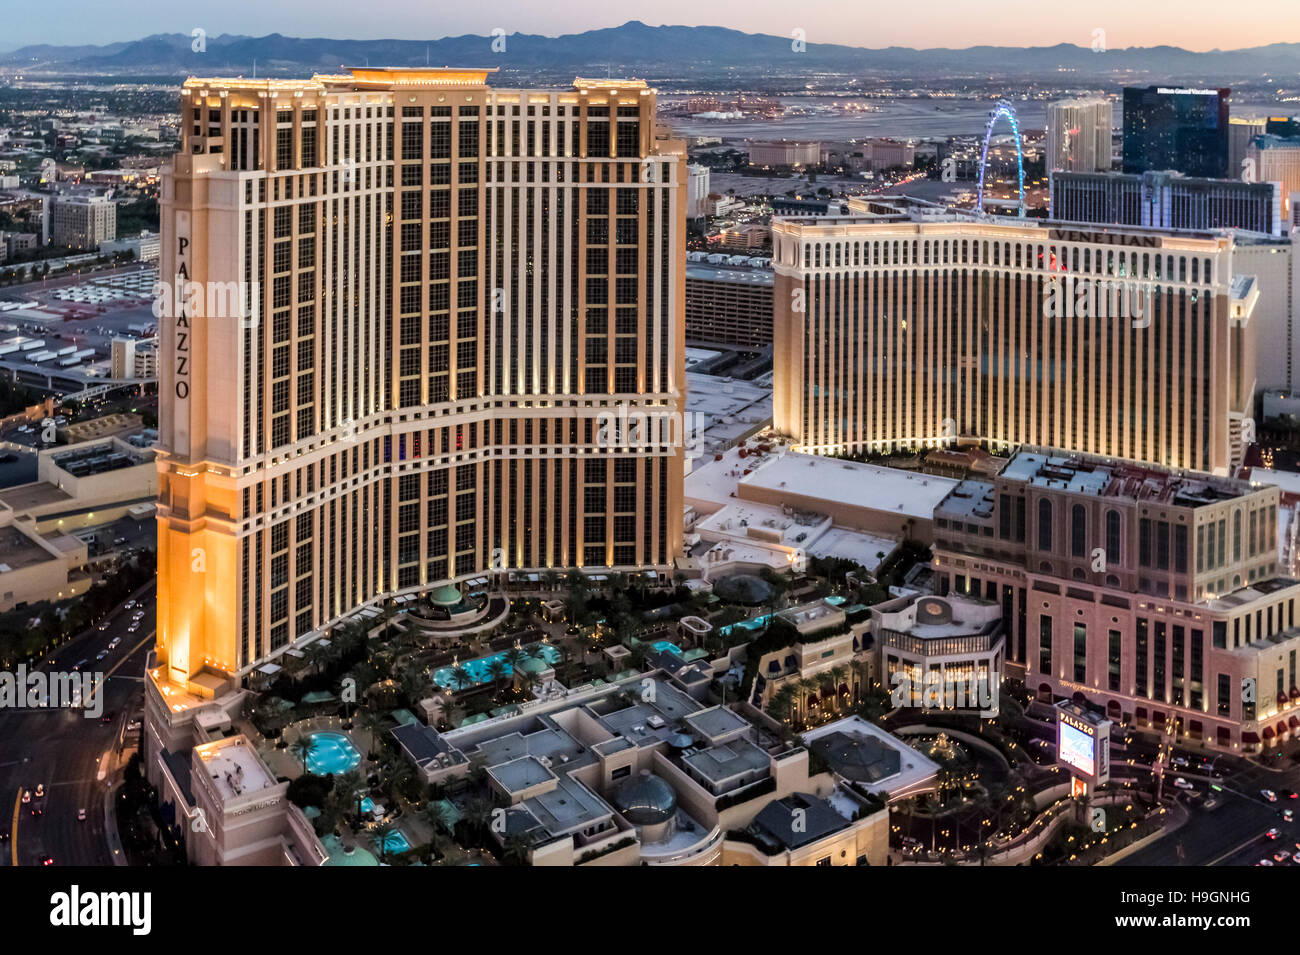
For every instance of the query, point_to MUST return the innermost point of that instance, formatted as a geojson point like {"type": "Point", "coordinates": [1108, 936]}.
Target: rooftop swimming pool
{"type": "Point", "coordinates": [758, 623]}
{"type": "Point", "coordinates": [480, 670]}
{"type": "Point", "coordinates": [331, 753]}
{"type": "Point", "coordinates": [661, 645]}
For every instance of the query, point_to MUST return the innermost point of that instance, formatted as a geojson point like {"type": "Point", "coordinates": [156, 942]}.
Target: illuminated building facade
{"type": "Point", "coordinates": [1154, 593]}
{"type": "Point", "coordinates": [417, 297]}
{"type": "Point", "coordinates": [1127, 342]}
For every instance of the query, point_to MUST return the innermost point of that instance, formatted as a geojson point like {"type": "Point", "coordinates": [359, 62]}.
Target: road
{"type": "Point", "coordinates": [65, 750]}
{"type": "Point", "coordinates": [1231, 834]}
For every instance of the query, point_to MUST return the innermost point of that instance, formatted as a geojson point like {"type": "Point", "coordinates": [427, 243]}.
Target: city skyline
{"type": "Point", "coordinates": [763, 436]}
{"type": "Point", "coordinates": [1198, 27]}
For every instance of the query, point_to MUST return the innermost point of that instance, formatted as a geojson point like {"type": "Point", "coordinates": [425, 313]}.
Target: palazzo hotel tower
{"type": "Point", "coordinates": [440, 291]}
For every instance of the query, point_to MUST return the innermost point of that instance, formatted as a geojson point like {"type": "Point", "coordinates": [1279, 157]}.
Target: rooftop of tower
{"type": "Point", "coordinates": [1108, 477]}
{"type": "Point", "coordinates": [390, 77]}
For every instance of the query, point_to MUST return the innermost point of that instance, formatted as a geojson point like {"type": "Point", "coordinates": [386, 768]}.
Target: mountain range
{"type": "Point", "coordinates": [632, 47]}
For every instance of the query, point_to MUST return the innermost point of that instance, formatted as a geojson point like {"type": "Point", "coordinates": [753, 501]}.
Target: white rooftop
{"type": "Point", "coordinates": [907, 493]}
{"type": "Point", "coordinates": [234, 767]}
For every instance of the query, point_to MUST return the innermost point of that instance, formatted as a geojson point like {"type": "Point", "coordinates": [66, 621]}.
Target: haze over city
{"type": "Point", "coordinates": [1190, 24]}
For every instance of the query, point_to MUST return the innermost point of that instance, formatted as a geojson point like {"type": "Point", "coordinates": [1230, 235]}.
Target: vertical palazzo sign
{"type": "Point", "coordinates": [181, 321]}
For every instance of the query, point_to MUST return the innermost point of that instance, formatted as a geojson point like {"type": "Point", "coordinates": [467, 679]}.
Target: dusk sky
{"type": "Point", "coordinates": [1192, 24]}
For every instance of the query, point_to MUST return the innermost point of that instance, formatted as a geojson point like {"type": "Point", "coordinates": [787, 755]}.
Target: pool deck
{"type": "Point", "coordinates": [283, 762]}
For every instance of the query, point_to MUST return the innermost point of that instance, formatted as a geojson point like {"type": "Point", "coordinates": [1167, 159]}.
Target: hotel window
{"type": "Point", "coordinates": [1080, 653]}
{"type": "Point", "coordinates": [1112, 538]}
{"type": "Point", "coordinates": [1045, 644]}
{"type": "Point", "coordinates": [1078, 530]}
{"type": "Point", "coordinates": [1044, 524]}
{"type": "Point", "coordinates": [1114, 656]}
{"type": "Point", "coordinates": [1140, 657]}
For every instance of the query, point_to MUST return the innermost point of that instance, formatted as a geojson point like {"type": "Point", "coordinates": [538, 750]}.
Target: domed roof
{"type": "Point", "coordinates": [743, 588]}
{"type": "Point", "coordinates": [446, 596]}
{"type": "Point", "coordinates": [646, 800]}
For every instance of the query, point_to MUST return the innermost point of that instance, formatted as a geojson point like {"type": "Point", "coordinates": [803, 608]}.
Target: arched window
{"type": "Point", "coordinates": [1078, 531]}
{"type": "Point", "coordinates": [1236, 531]}
{"type": "Point", "coordinates": [1112, 538]}
{"type": "Point", "coordinates": [1044, 524]}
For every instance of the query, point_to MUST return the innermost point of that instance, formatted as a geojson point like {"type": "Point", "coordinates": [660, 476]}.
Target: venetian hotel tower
{"type": "Point", "coordinates": [417, 296]}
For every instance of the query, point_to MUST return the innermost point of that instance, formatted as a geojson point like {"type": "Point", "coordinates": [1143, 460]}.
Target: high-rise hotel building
{"type": "Point", "coordinates": [1126, 342]}
{"type": "Point", "coordinates": [441, 291]}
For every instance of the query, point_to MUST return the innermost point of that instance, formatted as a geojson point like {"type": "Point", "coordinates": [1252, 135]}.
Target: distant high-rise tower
{"type": "Point", "coordinates": [1167, 200]}
{"type": "Point", "coordinates": [1241, 132]}
{"type": "Point", "coordinates": [1176, 128]}
{"type": "Point", "coordinates": [441, 304]}
{"type": "Point", "coordinates": [1079, 135]}
{"type": "Point", "coordinates": [1276, 159]}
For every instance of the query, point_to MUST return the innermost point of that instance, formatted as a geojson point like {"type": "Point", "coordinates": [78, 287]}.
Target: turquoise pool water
{"type": "Point", "coordinates": [367, 805]}
{"type": "Point", "coordinates": [835, 600]}
{"type": "Point", "coordinates": [395, 842]}
{"type": "Point", "coordinates": [661, 645]}
{"type": "Point", "coordinates": [331, 753]}
{"type": "Point", "coordinates": [480, 670]}
{"type": "Point", "coordinates": [758, 623]}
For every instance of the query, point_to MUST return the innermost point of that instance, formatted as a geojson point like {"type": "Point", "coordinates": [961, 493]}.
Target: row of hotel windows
{"type": "Point", "coordinates": [519, 434]}
{"type": "Point", "coordinates": [1246, 629]}
{"type": "Point", "coordinates": [930, 325]}
{"type": "Point", "coordinates": [837, 253]}
{"type": "Point", "coordinates": [620, 504]}
{"type": "Point", "coordinates": [1150, 657]}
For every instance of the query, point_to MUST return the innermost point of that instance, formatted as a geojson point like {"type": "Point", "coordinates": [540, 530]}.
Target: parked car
{"type": "Point", "coordinates": [1269, 795]}
{"type": "Point", "coordinates": [1183, 784]}
{"type": "Point", "coordinates": [1273, 833]}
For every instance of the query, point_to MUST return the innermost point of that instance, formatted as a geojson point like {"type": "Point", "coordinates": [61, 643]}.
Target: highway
{"type": "Point", "coordinates": [69, 752]}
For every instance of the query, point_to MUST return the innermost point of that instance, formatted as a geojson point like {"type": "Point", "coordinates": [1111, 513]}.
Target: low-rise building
{"type": "Point", "coordinates": [626, 773]}
{"type": "Point", "coordinates": [951, 643]}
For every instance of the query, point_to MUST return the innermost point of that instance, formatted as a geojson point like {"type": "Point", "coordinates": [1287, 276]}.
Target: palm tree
{"type": "Point", "coordinates": [382, 832]}
{"type": "Point", "coordinates": [807, 687]}
{"type": "Point", "coordinates": [317, 656]}
{"type": "Point", "coordinates": [415, 682]}
{"type": "Point", "coordinates": [439, 815]}
{"type": "Point", "coordinates": [302, 749]}
{"type": "Point", "coordinates": [397, 778]}
{"type": "Point", "coordinates": [371, 723]}
{"type": "Point", "coordinates": [497, 671]}
{"type": "Point", "coordinates": [461, 677]}
{"type": "Point", "coordinates": [837, 675]}
{"type": "Point", "coordinates": [782, 702]}
{"type": "Point", "coordinates": [478, 813]}
{"type": "Point", "coordinates": [437, 707]}
{"type": "Point", "coordinates": [347, 786]}
{"type": "Point", "coordinates": [515, 849]}
{"type": "Point", "coordinates": [508, 662]}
